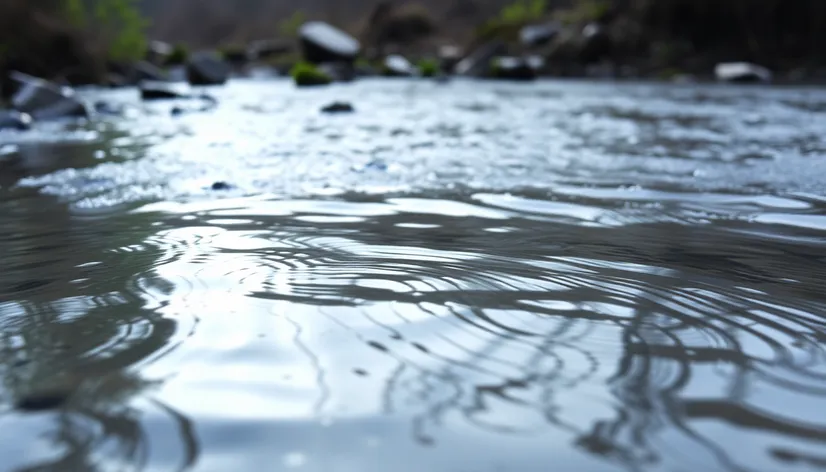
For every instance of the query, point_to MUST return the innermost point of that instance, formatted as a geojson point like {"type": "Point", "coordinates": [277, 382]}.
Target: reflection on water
{"type": "Point", "coordinates": [599, 314]}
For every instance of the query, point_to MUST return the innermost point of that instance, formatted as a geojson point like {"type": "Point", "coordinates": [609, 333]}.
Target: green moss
{"type": "Point", "coordinates": [306, 74]}
{"type": "Point", "coordinates": [511, 19]}
{"type": "Point", "coordinates": [584, 11]}
{"type": "Point", "coordinates": [428, 67]}
{"type": "Point", "coordinates": [179, 55]}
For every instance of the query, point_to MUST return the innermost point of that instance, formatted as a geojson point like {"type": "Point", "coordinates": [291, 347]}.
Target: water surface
{"type": "Point", "coordinates": [456, 277]}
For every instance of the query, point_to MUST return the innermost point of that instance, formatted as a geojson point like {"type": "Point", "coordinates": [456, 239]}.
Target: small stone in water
{"type": "Point", "coordinates": [176, 111]}
{"type": "Point", "coordinates": [220, 185]}
{"type": "Point", "coordinates": [338, 107]}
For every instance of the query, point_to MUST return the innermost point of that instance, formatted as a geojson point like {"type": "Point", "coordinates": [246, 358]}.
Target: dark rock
{"type": "Point", "coordinates": [151, 90]}
{"type": "Point", "coordinates": [512, 68]}
{"type": "Point", "coordinates": [13, 119]}
{"type": "Point", "coordinates": [449, 56]}
{"type": "Point", "coordinates": [43, 401]}
{"type": "Point", "coordinates": [207, 68]}
{"type": "Point", "coordinates": [267, 49]}
{"type": "Point", "coordinates": [221, 185]}
{"type": "Point", "coordinates": [396, 65]}
{"type": "Point", "coordinates": [338, 107]}
{"type": "Point", "coordinates": [742, 72]}
{"type": "Point", "coordinates": [538, 35]}
{"type": "Point", "coordinates": [176, 111]}
{"type": "Point", "coordinates": [143, 70]}
{"type": "Point", "coordinates": [157, 52]}
{"type": "Point", "coordinates": [595, 43]}
{"type": "Point", "coordinates": [477, 64]}
{"type": "Point", "coordinates": [322, 42]}
{"type": "Point", "coordinates": [236, 57]}
{"type": "Point", "coordinates": [45, 100]}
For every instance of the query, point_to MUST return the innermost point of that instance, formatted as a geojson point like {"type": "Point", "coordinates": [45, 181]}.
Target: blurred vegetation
{"type": "Point", "coordinates": [117, 23]}
{"type": "Point", "coordinates": [179, 55]}
{"type": "Point", "coordinates": [428, 67]}
{"type": "Point", "coordinates": [512, 18]}
{"type": "Point", "coordinates": [306, 74]}
{"type": "Point", "coordinates": [584, 11]}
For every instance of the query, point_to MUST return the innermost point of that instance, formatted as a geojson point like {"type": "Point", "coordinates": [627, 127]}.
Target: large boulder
{"type": "Point", "coordinates": [396, 65]}
{"type": "Point", "coordinates": [742, 72]}
{"type": "Point", "coordinates": [13, 119]}
{"type": "Point", "coordinates": [322, 42]}
{"type": "Point", "coordinates": [207, 68]}
{"type": "Point", "coordinates": [45, 100]}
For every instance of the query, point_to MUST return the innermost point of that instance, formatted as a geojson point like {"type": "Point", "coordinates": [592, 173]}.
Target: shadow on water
{"type": "Point", "coordinates": [439, 294]}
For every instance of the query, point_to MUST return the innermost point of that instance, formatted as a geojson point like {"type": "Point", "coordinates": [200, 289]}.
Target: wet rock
{"type": "Point", "coordinates": [322, 42]}
{"type": "Point", "coordinates": [176, 111]}
{"type": "Point", "coordinates": [267, 49]}
{"type": "Point", "coordinates": [220, 185]}
{"type": "Point", "coordinates": [538, 35]}
{"type": "Point", "coordinates": [396, 65]}
{"type": "Point", "coordinates": [595, 43]}
{"type": "Point", "coordinates": [207, 68]}
{"type": "Point", "coordinates": [45, 100]}
{"type": "Point", "coordinates": [512, 68]}
{"type": "Point", "coordinates": [157, 52]}
{"type": "Point", "coordinates": [338, 107]}
{"type": "Point", "coordinates": [143, 70]}
{"type": "Point", "coordinates": [742, 72]}
{"type": "Point", "coordinates": [13, 119]}
{"type": "Point", "coordinates": [477, 64]}
{"type": "Point", "coordinates": [152, 90]}
{"type": "Point", "coordinates": [449, 56]}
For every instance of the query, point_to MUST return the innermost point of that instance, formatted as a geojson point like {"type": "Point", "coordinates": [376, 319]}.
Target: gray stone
{"type": "Point", "coordinates": [45, 100]}
{"type": "Point", "coordinates": [207, 68]}
{"type": "Point", "coordinates": [538, 35]}
{"type": "Point", "coordinates": [13, 119]}
{"type": "Point", "coordinates": [157, 52]}
{"type": "Point", "coordinates": [742, 72]}
{"type": "Point", "coordinates": [322, 42]}
{"type": "Point", "coordinates": [396, 65]}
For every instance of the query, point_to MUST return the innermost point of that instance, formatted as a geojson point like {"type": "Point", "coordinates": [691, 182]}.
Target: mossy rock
{"type": "Point", "coordinates": [306, 74]}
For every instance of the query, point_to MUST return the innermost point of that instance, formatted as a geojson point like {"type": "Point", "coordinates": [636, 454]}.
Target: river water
{"type": "Point", "coordinates": [459, 277]}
